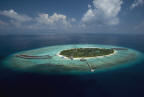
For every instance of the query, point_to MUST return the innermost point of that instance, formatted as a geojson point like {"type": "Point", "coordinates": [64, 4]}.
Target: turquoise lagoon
{"type": "Point", "coordinates": [56, 64]}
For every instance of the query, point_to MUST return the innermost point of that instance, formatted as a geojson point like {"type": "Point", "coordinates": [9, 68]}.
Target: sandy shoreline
{"type": "Point", "coordinates": [58, 54]}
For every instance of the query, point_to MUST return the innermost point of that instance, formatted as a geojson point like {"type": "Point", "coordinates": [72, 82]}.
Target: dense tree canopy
{"type": "Point", "coordinates": [86, 52]}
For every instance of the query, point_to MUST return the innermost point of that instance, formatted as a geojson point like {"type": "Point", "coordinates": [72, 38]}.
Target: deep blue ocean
{"type": "Point", "coordinates": [124, 82]}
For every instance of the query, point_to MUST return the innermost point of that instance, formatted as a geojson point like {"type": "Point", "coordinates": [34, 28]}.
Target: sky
{"type": "Point", "coordinates": [72, 16]}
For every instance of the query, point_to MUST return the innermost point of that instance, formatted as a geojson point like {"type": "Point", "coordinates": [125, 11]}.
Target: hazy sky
{"type": "Point", "coordinates": [72, 16]}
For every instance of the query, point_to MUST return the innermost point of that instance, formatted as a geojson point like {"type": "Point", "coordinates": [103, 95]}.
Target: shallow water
{"type": "Point", "coordinates": [57, 64]}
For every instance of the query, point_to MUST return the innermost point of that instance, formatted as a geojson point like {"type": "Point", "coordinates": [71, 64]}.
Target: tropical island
{"type": "Point", "coordinates": [86, 52]}
{"type": "Point", "coordinates": [83, 58]}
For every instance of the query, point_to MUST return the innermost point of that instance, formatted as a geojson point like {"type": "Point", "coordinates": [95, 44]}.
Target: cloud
{"type": "Point", "coordinates": [15, 19]}
{"type": "Point", "coordinates": [100, 12]}
{"type": "Point", "coordinates": [137, 3]}
{"type": "Point", "coordinates": [103, 12]}
{"type": "Point", "coordinates": [73, 20]}
{"type": "Point", "coordinates": [53, 20]}
{"type": "Point", "coordinates": [15, 16]}
{"type": "Point", "coordinates": [42, 21]}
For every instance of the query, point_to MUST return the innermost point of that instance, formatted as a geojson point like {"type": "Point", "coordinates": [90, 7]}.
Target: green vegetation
{"type": "Point", "coordinates": [86, 52]}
